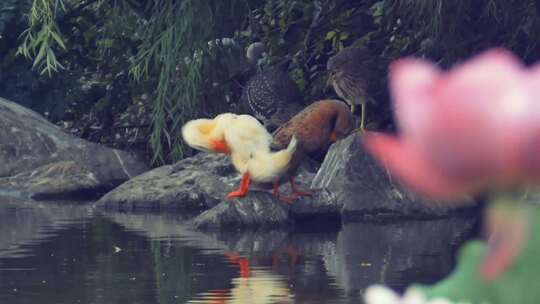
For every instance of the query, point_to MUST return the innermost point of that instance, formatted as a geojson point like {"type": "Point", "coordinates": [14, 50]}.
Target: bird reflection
{"type": "Point", "coordinates": [254, 284]}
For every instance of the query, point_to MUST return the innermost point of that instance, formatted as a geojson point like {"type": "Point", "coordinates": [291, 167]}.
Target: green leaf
{"type": "Point", "coordinates": [330, 35]}
{"type": "Point", "coordinates": [58, 40]}
{"type": "Point", "coordinates": [41, 54]}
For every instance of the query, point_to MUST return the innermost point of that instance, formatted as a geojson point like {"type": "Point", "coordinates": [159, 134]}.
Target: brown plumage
{"type": "Point", "coordinates": [316, 128]}
{"type": "Point", "coordinates": [349, 70]}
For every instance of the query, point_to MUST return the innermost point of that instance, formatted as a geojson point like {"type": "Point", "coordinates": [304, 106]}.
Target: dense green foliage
{"type": "Point", "coordinates": [168, 47]}
{"type": "Point", "coordinates": [173, 44]}
{"type": "Point", "coordinates": [43, 36]}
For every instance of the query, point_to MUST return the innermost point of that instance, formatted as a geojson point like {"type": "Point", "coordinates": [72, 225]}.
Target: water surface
{"type": "Point", "coordinates": [55, 254]}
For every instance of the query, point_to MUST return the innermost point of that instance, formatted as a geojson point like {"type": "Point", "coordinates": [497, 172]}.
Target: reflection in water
{"type": "Point", "coordinates": [393, 253]}
{"type": "Point", "coordinates": [262, 285]}
{"type": "Point", "coordinates": [68, 254]}
{"type": "Point", "coordinates": [253, 285]}
{"type": "Point", "coordinates": [24, 224]}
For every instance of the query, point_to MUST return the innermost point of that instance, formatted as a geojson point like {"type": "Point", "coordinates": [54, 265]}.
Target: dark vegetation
{"type": "Point", "coordinates": [129, 73]}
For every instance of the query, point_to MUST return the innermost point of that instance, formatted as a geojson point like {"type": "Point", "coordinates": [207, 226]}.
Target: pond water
{"type": "Point", "coordinates": [52, 253]}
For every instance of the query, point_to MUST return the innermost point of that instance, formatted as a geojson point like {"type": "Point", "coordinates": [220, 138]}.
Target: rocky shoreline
{"type": "Point", "coordinates": [42, 162]}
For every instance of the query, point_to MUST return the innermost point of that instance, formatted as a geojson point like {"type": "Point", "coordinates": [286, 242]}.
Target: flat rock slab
{"type": "Point", "coordinates": [41, 161]}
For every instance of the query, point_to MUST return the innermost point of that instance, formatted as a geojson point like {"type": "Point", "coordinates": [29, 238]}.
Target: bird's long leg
{"type": "Point", "coordinates": [363, 117]}
{"type": "Point", "coordinates": [300, 192]}
{"type": "Point", "coordinates": [275, 190]}
{"type": "Point", "coordinates": [294, 195]}
{"type": "Point", "coordinates": [362, 128]}
{"type": "Point", "coordinates": [288, 199]}
{"type": "Point", "coordinates": [243, 189]}
{"type": "Point", "coordinates": [284, 199]}
{"type": "Point", "coordinates": [276, 194]}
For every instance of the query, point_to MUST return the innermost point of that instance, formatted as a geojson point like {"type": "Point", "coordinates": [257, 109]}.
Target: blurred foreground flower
{"type": "Point", "coordinates": [473, 129]}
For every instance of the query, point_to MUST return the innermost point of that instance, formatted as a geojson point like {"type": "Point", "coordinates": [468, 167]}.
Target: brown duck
{"type": "Point", "coordinates": [316, 128]}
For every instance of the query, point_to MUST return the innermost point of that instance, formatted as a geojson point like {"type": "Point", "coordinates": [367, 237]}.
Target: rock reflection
{"type": "Point", "coordinates": [24, 223]}
{"type": "Point", "coordinates": [394, 253]}
{"type": "Point", "coordinates": [269, 265]}
{"type": "Point", "coordinates": [161, 259]}
{"type": "Point", "coordinates": [318, 267]}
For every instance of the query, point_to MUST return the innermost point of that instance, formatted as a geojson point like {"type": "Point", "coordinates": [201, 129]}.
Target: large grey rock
{"type": "Point", "coordinates": [354, 183]}
{"type": "Point", "coordinates": [41, 161]}
{"type": "Point", "coordinates": [349, 184]}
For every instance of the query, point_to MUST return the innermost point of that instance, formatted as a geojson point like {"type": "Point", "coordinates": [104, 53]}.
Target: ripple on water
{"type": "Point", "coordinates": [62, 254]}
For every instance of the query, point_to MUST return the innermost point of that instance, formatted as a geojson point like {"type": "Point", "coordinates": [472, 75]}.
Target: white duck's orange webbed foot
{"type": "Point", "coordinates": [243, 189]}
{"type": "Point", "coordinates": [237, 193]}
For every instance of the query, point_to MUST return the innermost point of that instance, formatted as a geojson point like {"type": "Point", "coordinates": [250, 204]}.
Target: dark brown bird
{"type": "Point", "coordinates": [271, 95]}
{"type": "Point", "coordinates": [316, 128]}
{"type": "Point", "coordinates": [348, 71]}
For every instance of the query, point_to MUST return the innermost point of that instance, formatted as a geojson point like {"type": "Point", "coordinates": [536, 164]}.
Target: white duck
{"type": "Point", "coordinates": [247, 141]}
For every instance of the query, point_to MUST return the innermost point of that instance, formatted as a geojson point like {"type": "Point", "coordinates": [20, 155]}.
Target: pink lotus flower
{"type": "Point", "coordinates": [471, 129]}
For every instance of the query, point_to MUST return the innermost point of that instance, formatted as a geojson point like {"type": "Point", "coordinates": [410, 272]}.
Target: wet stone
{"type": "Point", "coordinates": [349, 185]}
{"type": "Point", "coordinates": [41, 161]}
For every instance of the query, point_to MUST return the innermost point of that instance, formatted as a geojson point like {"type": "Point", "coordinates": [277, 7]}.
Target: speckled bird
{"type": "Point", "coordinates": [348, 74]}
{"type": "Point", "coordinates": [270, 95]}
